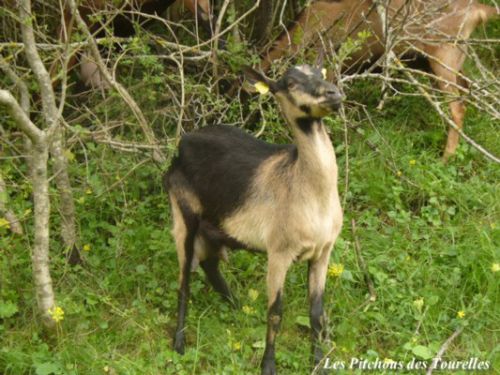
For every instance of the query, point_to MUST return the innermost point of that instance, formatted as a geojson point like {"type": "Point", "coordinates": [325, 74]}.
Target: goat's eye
{"type": "Point", "coordinates": [292, 85]}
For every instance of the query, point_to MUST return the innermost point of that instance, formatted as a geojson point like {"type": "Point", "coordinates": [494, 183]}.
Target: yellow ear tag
{"type": "Point", "coordinates": [262, 88]}
{"type": "Point", "coordinates": [323, 71]}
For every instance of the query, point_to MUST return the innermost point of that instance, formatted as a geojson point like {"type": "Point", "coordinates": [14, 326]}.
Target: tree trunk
{"type": "Point", "coordinates": [67, 206]}
{"type": "Point", "coordinates": [40, 255]}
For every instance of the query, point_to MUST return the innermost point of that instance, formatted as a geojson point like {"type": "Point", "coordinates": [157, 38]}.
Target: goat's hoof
{"type": "Point", "coordinates": [318, 356]}
{"type": "Point", "coordinates": [179, 348]}
{"type": "Point", "coordinates": [269, 368]}
{"type": "Point", "coordinates": [179, 344]}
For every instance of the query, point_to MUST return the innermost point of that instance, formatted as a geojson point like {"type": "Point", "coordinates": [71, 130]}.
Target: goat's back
{"type": "Point", "coordinates": [218, 164]}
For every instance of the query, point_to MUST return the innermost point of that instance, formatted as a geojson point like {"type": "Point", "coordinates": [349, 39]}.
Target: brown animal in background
{"type": "Point", "coordinates": [123, 26]}
{"type": "Point", "coordinates": [426, 28]}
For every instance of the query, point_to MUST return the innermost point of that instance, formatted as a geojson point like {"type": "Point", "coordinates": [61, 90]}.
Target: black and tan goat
{"type": "Point", "coordinates": [230, 190]}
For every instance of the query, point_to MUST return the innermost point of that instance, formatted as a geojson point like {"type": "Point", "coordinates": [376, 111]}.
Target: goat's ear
{"type": "Point", "coordinates": [259, 81]}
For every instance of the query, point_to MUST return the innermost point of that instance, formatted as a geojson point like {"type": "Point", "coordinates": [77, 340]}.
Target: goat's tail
{"type": "Point", "coordinates": [486, 12]}
{"type": "Point", "coordinates": [168, 175]}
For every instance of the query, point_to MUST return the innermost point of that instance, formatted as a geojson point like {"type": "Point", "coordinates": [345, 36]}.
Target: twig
{"type": "Point", "coordinates": [127, 98]}
{"type": "Point", "coordinates": [215, 48]}
{"type": "Point", "coordinates": [317, 368]}
{"type": "Point", "coordinates": [443, 348]}
{"type": "Point", "coordinates": [362, 264]}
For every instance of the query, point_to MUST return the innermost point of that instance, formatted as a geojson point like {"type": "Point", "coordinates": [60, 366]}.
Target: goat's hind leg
{"type": "Point", "coordinates": [211, 250]}
{"type": "Point", "coordinates": [215, 278]}
{"type": "Point", "coordinates": [184, 232]}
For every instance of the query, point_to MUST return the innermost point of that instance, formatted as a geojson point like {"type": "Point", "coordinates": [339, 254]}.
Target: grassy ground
{"type": "Point", "coordinates": [429, 233]}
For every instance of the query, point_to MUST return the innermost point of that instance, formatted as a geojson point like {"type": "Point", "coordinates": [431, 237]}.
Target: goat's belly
{"type": "Point", "coordinates": [304, 232]}
{"type": "Point", "coordinates": [247, 227]}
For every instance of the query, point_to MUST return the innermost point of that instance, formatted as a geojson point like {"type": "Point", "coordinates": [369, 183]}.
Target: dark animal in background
{"type": "Point", "coordinates": [230, 190]}
{"type": "Point", "coordinates": [428, 28]}
{"type": "Point", "coordinates": [123, 25]}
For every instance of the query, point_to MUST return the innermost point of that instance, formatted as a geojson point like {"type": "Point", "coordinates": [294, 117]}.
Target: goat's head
{"type": "Point", "coordinates": [302, 89]}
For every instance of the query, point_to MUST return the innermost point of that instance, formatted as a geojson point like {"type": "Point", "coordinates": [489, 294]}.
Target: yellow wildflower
{"type": "Point", "coordinates": [495, 267]}
{"type": "Point", "coordinates": [262, 88]}
{"type": "Point", "coordinates": [419, 303]}
{"type": "Point", "coordinates": [399, 173]}
{"type": "Point", "coordinates": [413, 162]}
{"type": "Point", "coordinates": [4, 223]}
{"type": "Point", "coordinates": [461, 314]}
{"type": "Point", "coordinates": [88, 191]}
{"type": "Point", "coordinates": [247, 310]}
{"type": "Point", "coordinates": [56, 313]}
{"type": "Point", "coordinates": [236, 346]}
{"type": "Point", "coordinates": [86, 247]}
{"type": "Point", "coordinates": [388, 360]}
{"type": "Point", "coordinates": [253, 294]}
{"type": "Point", "coordinates": [336, 269]}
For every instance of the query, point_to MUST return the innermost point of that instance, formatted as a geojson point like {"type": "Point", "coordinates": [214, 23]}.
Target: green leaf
{"type": "Point", "coordinates": [303, 321]}
{"type": "Point", "coordinates": [422, 351]}
{"type": "Point", "coordinates": [7, 309]}
{"type": "Point", "coordinates": [47, 368]}
{"type": "Point", "coordinates": [259, 344]}
{"type": "Point", "coordinates": [347, 275]}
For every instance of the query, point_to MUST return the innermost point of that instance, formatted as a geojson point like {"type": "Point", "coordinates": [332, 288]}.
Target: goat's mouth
{"type": "Point", "coordinates": [331, 104]}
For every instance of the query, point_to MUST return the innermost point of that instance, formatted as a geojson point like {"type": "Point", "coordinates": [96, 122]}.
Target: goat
{"type": "Point", "coordinates": [426, 28]}
{"type": "Point", "coordinates": [230, 190]}
{"type": "Point", "coordinates": [123, 26]}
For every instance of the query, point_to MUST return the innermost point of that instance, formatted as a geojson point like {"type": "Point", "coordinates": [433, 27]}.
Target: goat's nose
{"type": "Point", "coordinates": [334, 94]}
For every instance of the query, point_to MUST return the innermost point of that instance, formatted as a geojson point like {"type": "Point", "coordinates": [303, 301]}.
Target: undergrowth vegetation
{"type": "Point", "coordinates": [429, 233]}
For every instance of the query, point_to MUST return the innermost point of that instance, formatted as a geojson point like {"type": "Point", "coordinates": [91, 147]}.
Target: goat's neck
{"type": "Point", "coordinates": [316, 162]}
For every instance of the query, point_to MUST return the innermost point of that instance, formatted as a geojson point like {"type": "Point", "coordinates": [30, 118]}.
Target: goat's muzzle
{"type": "Point", "coordinates": [332, 97]}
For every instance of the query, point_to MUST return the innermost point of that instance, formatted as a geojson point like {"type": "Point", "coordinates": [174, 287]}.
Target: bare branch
{"type": "Point", "coordinates": [148, 132]}
{"type": "Point", "coordinates": [443, 348]}
{"type": "Point", "coordinates": [23, 89]}
{"type": "Point", "coordinates": [20, 117]}
{"type": "Point", "coordinates": [34, 60]}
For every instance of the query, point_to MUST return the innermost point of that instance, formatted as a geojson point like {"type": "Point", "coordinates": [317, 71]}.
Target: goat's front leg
{"type": "Point", "coordinates": [277, 268]}
{"type": "Point", "coordinates": [317, 279]}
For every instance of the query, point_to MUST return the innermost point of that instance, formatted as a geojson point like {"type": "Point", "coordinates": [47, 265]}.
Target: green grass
{"type": "Point", "coordinates": [429, 231]}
